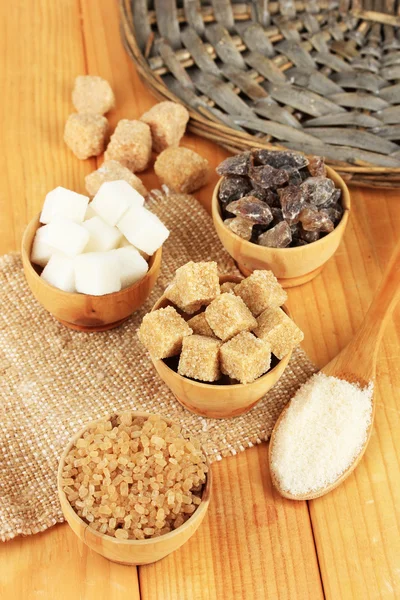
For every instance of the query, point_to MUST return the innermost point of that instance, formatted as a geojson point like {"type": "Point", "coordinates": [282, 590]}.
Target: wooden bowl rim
{"type": "Point", "coordinates": [340, 227]}
{"type": "Point", "coordinates": [153, 263]}
{"type": "Point", "coordinates": [233, 386]}
{"type": "Point", "coordinates": [202, 507]}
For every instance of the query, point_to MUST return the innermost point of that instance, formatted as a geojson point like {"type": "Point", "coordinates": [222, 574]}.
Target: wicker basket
{"type": "Point", "coordinates": [318, 76]}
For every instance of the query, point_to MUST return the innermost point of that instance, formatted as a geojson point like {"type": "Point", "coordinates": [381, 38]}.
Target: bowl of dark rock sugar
{"type": "Point", "coordinates": [281, 211]}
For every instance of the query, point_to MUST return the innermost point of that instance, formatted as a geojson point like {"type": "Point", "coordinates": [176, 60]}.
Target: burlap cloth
{"type": "Point", "coordinates": [54, 380]}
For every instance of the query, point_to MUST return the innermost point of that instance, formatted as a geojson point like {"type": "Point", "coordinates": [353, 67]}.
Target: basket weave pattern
{"type": "Point", "coordinates": [318, 76]}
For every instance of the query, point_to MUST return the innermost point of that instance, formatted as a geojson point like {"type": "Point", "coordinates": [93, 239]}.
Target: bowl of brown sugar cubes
{"type": "Point", "coordinates": [280, 210]}
{"type": "Point", "coordinates": [134, 487]}
{"type": "Point", "coordinates": [220, 342]}
{"type": "Point", "coordinates": [91, 265]}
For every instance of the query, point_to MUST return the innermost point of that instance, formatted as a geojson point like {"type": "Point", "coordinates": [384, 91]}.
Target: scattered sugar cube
{"type": "Point", "coordinates": [130, 144]}
{"type": "Point", "coordinates": [162, 332]}
{"type": "Point", "coordinates": [173, 295]}
{"type": "Point", "coordinates": [86, 134]}
{"type": "Point", "coordinates": [92, 94]}
{"type": "Point", "coordinates": [64, 203]}
{"type": "Point", "coordinates": [167, 121]}
{"type": "Point", "coordinates": [60, 272]}
{"type": "Point", "coordinates": [97, 273]}
{"type": "Point", "coordinates": [245, 357]}
{"type": "Point", "coordinates": [132, 265]}
{"type": "Point", "coordinates": [228, 287]}
{"type": "Point", "coordinates": [143, 229]}
{"type": "Point", "coordinates": [260, 291]}
{"type": "Point", "coordinates": [112, 170]}
{"type": "Point", "coordinates": [66, 236]}
{"type": "Point", "coordinates": [103, 237]}
{"type": "Point", "coordinates": [41, 251]}
{"type": "Point", "coordinates": [228, 315]}
{"type": "Point", "coordinates": [113, 200]}
{"type": "Point", "coordinates": [200, 326]}
{"type": "Point", "coordinates": [199, 358]}
{"type": "Point", "coordinates": [276, 328]}
{"type": "Point", "coordinates": [182, 169]}
{"type": "Point", "coordinates": [90, 213]}
{"type": "Point", "coordinates": [198, 282]}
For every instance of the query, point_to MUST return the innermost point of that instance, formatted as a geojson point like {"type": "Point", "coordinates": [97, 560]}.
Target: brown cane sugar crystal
{"type": "Point", "coordinates": [200, 358]}
{"type": "Point", "coordinates": [242, 227]}
{"type": "Point", "coordinates": [131, 145]}
{"type": "Point", "coordinates": [276, 328]}
{"type": "Point", "coordinates": [172, 294]}
{"type": "Point", "coordinates": [245, 357]}
{"type": "Point", "coordinates": [182, 169]}
{"type": "Point", "coordinates": [92, 94]}
{"type": "Point", "coordinates": [134, 477]}
{"type": "Point", "coordinates": [228, 287]}
{"type": "Point", "coordinates": [261, 290]}
{"type": "Point", "coordinates": [167, 121]}
{"type": "Point", "coordinates": [228, 315]}
{"type": "Point", "coordinates": [112, 170]}
{"type": "Point", "coordinates": [197, 282]}
{"type": "Point", "coordinates": [85, 134]}
{"type": "Point", "coordinates": [162, 332]}
{"type": "Point", "coordinates": [199, 325]}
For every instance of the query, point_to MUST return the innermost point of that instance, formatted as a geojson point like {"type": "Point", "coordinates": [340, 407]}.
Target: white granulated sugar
{"type": "Point", "coordinates": [322, 432]}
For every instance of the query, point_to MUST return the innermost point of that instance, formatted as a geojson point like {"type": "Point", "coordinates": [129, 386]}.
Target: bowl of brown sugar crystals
{"type": "Point", "coordinates": [134, 487]}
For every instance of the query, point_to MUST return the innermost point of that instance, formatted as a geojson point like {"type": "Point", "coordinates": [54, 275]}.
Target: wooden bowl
{"type": "Point", "coordinates": [130, 552]}
{"type": "Point", "coordinates": [292, 266]}
{"type": "Point", "coordinates": [214, 400]}
{"type": "Point", "coordinates": [81, 311]}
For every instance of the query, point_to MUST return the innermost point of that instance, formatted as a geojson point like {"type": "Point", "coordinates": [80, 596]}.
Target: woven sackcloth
{"type": "Point", "coordinates": [54, 380]}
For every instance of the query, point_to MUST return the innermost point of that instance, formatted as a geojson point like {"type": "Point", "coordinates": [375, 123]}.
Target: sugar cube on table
{"type": "Point", "coordinates": [66, 236]}
{"type": "Point", "coordinates": [92, 94]}
{"type": "Point", "coordinates": [114, 199]}
{"type": "Point", "coordinates": [41, 251]}
{"type": "Point", "coordinates": [276, 328]}
{"type": "Point", "coordinates": [167, 121]}
{"type": "Point", "coordinates": [228, 315]}
{"type": "Point", "coordinates": [173, 295]}
{"type": "Point", "coordinates": [86, 134]}
{"type": "Point", "coordinates": [60, 272]}
{"type": "Point", "coordinates": [103, 237]}
{"type": "Point", "coordinates": [112, 170]}
{"type": "Point", "coordinates": [200, 326]}
{"type": "Point", "coordinates": [97, 273]}
{"type": "Point", "coordinates": [245, 357]}
{"type": "Point", "coordinates": [199, 358]}
{"type": "Point", "coordinates": [130, 145]}
{"type": "Point", "coordinates": [197, 282]}
{"type": "Point", "coordinates": [64, 203]}
{"type": "Point", "coordinates": [132, 265]}
{"type": "Point", "coordinates": [143, 229]}
{"type": "Point", "coordinates": [162, 332]}
{"type": "Point", "coordinates": [261, 290]}
{"type": "Point", "coordinates": [181, 169]}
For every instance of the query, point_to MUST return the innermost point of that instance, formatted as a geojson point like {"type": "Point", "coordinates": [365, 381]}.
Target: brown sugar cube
{"type": "Point", "coordinates": [245, 357]}
{"type": "Point", "coordinates": [276, 328]}
{"type": "Point", "coordinates": [92, 94]}
{"type": "Point", "coordinates": [112, 170]}
{"type": "Point", "coordinates": [197, 282]}
{"type": "Point", "coordinates": [200, 358]}
{"type": "Point", "coordinates": [162, 332]}
{"type": "Point", "coordinates": [173, 295]}
{"type": "Point", "coordinates": [167, 121]}
{"type": "Point", "coordinates": [260, 291]}
{"type": "Point", "coordinates": [130, 144]}
{"type": "Point", "coordinates": [85, 134]}
{"type": "Point", "coordinates": [228, 315]}
{"type": "Point", "coordinates": [228, 287]}
{"type": "Point", "coordinates": [200, 326]}
{"type": "Point", "coordinates": [181, 169]}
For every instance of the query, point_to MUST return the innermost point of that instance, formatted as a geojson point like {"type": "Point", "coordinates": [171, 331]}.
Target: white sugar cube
{"type": "Point", "coordinates": [90, 212]}
{"type": "Point", "coordinates": [66, 236]}
{"type": "Point", "coordinates": [97, 273]}
{"type": "Point", "coordinates": [64, 203]}
{"type": "Point", "coordinates": [124, 243]}
{"type": "Point", "coordinates": [41, 251]}
{"type": "Point", "coordinates": [103, 237]}
{"type": "Point", "coordinates": [143, 229]}
{"type": "Point", "coordinates": [113, 199]}
{"type": "Point", "coordinates": [60, 272]}
{"type": "Point", "coordinates": [132, 265]}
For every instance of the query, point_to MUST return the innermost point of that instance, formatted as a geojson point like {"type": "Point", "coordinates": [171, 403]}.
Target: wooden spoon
{"type": "Point", "coordinates": [356, 363]}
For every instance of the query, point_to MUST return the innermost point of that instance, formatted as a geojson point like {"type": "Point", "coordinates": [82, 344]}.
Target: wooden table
{"type": "Point", "coordinates": [253, 544]}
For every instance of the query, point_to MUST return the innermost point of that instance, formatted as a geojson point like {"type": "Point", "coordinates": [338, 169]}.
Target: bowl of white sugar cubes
{"type": "Point", "coordinates": [92, 264]}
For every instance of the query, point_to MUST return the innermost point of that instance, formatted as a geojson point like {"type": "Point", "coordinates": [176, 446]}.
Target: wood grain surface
{"type": "Point", "coordinates": [253, 544]}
